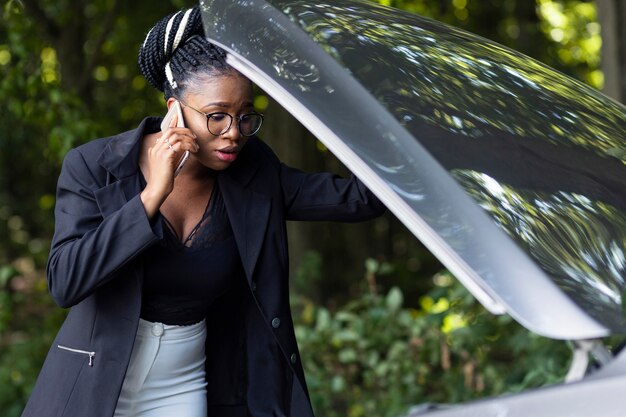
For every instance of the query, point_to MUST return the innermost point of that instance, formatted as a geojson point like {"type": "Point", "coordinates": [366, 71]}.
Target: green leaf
{"type": "Point", "coordinates": [371, 265]}
{"type": "Point", "coordinates": [347, 355]}
{"type": "Point", "coordinates": [338, 383]}
{"type": "Point", "coordinates": [7, 272]}
{"type": "Point", "coordinates": [394, 299]}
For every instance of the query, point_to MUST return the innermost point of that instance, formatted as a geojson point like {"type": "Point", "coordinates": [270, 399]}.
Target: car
{"type": "Point", "coordinates": [512, 174]}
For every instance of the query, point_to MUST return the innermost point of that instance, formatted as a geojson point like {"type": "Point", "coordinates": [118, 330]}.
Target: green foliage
{"type": "Point", "coordinates": [28, 323]}
{"type": "Point", "coordinates": [573, 29]}
{"type": "Point", "coordinates": [69, 75]}
{"type": "Point", "coordinates": [372, 356]}
{"type": "Point", "coordinates": [564, 34]}
{"type": "Point", "coordinates": [308, 275]}
{"type": "Point", "coordinates": [56, 95]}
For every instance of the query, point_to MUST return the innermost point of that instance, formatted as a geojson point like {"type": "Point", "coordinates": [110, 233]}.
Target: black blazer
{"type": "Point", "coordinates": [95, 267]}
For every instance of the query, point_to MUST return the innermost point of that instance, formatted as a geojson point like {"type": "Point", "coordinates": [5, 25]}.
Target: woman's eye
{"type": "Point", "coordinates": [218, 117]}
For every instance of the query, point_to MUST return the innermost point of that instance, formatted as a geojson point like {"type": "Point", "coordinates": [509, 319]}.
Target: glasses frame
{"type": "Point", "coordinates": [230, 124]}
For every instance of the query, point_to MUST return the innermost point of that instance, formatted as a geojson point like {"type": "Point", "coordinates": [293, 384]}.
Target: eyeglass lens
{"type": "Point", "coordinates": [249, 124]}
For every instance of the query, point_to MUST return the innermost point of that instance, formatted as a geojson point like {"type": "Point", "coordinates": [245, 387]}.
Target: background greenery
{"type": "Point", "coordinates": [381, 325]}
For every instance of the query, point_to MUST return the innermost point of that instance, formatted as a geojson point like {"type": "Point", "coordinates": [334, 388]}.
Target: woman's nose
{"type": "Point", "coordinates": [233, 131]}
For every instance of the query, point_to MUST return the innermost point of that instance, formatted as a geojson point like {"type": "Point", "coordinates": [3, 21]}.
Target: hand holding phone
{"type": "Point", "coordinates": [165, 124]}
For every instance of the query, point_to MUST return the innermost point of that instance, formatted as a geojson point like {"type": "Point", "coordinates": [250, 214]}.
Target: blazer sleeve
{"type": "Point", "coordinates": [88, 250]}
{"type": "Point", "coordinates": [327, 196]}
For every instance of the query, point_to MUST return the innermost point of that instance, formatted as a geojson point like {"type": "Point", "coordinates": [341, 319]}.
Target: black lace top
{"type": "Point", "coordinates": [182, 279]}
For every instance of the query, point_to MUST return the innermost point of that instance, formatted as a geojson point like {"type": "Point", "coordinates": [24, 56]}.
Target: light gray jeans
{"type": "Point", "coordinates": [166, 375]}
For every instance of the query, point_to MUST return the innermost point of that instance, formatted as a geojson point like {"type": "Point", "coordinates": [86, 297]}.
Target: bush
{"type": "Point", "coordinates": [373, 356]}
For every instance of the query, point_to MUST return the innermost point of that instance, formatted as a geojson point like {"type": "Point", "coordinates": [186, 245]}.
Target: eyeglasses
{"type": "Point", "coordinates": [218, 123]}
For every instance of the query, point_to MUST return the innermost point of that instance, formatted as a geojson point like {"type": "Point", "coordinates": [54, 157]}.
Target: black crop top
{"type": "Point", "coordinates": [182, 280]}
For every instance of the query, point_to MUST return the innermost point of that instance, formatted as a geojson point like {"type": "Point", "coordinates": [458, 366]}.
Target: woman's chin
{"type": "Point", "coordinates": [216, 164]}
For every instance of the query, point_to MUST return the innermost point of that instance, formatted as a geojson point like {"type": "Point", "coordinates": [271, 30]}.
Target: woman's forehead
{"type": "Point", "coordinates": [232, 89]}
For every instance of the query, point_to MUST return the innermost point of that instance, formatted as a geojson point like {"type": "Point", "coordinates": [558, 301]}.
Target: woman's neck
{"type": "Point", "coordinates": [195, 172]}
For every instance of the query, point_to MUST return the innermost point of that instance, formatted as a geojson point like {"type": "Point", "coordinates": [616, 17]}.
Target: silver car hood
{"type": "Point", "coordinates": [511, 173]}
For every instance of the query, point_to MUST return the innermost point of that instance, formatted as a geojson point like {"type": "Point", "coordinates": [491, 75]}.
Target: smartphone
{"type": "Point", "coordinates": [175, 109]}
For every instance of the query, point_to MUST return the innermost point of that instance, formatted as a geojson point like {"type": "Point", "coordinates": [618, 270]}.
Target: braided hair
{"type": "Point", "coordinates": [175, 53]}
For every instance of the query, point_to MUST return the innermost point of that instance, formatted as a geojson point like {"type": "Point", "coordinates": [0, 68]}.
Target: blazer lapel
{"type": "Point", "coordinates": [248, 211]}
{"type": "Point", "coordinates": [120, 158]}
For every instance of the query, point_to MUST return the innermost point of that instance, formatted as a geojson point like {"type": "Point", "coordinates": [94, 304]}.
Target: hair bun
{"type": "Point", "coordinates": [163, 39]}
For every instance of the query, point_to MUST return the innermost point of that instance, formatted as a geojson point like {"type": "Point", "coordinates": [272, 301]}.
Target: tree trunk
{"type": "Point", "coordinates": [612, 17]}
{"type": "Point", "coordinates": [69, 39]}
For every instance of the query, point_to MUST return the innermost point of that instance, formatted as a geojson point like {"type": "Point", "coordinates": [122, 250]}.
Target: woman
{"type": "Point", "coordinates": [178, 285]}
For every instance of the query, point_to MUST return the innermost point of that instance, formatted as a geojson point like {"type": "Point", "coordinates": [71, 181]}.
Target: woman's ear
{"type": "Point", "coordinates": [169, 102]}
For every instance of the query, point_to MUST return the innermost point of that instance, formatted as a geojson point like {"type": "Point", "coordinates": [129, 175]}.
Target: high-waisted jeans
{"type": "Point", "coordinates": [166, 375]}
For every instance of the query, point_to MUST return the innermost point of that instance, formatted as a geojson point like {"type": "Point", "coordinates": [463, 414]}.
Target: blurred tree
{"type": "Point", "coordinates": [612, 17]}
{"type": "Point", "coordinates": [69, 74]}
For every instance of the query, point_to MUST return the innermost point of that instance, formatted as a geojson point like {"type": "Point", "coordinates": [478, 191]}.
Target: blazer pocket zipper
{"type": "Point", "coordinates": [84, 352]}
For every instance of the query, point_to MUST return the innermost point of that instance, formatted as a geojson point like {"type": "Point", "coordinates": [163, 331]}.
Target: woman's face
{"type": "Point", "coordinates": [230, 94]}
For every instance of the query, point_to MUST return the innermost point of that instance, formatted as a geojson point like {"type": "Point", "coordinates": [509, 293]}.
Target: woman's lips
{"type": "Point", "coordinates": [228, 154]}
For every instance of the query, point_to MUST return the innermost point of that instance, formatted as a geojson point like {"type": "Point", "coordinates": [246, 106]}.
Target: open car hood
{"type": "Point", "coordinates": [511, 173]}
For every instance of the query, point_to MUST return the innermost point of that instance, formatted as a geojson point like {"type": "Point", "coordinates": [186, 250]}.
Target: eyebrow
{"type": "Point", "coordinates": [217, 104]}
{"type": "Point", "coordinates": [224, 104]}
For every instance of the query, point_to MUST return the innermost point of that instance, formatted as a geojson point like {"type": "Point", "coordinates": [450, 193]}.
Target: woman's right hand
{"type": "Point", "coordinates": [162, 160]}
